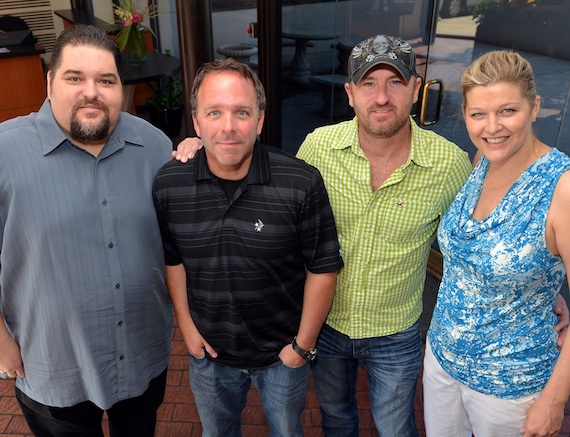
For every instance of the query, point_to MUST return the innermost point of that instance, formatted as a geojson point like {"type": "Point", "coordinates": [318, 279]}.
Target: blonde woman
{"type": "Point", "coordinates": [492, 364]}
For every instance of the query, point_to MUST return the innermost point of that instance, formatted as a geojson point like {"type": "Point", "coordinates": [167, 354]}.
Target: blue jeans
{"type": "Point", "coordinates": [392, 364]}
{"type": "Point", "coordinates": [221, 394]}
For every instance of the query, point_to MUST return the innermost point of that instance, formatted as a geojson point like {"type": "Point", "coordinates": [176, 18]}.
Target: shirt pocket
{"type": "Point", "coordinates": [403, 220]}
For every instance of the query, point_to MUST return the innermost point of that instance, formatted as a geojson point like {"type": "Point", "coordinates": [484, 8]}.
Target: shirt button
{"type": "Point", "coordinates": [121, 357]}
{"type": "Point", "coordinates": [117, 285]}
{"type": "Point", "coordinates": [120, 323]}
{"type": "Point", "coordinates": [111, 245]}
{"type": "Point", "coordinates": [104, 201]}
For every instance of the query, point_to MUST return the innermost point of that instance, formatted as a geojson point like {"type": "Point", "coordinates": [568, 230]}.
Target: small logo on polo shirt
{"type": "Point", "coordinates": [258, 225]}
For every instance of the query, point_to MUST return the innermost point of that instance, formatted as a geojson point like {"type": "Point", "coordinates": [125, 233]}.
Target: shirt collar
{"type": "Point", "coordinates": [52, 136]}
{"type": "Point", "coordinates": [258, 173]}
{"type": "Point", "coordinates": [418, 151]}
{"type": "Point", "coordinates": [348, 138]}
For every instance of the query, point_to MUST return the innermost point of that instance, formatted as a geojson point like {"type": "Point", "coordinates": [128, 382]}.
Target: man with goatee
{"type": "Point", "coordinates": [85, 317]}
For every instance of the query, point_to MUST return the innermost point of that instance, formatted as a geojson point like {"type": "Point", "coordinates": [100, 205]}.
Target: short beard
{"type": "Point", "coordinates": [87, 133]}
{"type": "Point", "coordinates": [392, 129]}
{"type": "Point", "coordinates": [385, 131]}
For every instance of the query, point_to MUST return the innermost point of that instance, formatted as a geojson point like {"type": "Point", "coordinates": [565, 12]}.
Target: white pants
{"type": "Point", "coordinates": [451, 409]}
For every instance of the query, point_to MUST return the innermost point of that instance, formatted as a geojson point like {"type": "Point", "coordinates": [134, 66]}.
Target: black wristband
{"type": "Point", "coordinates": [308, 355]}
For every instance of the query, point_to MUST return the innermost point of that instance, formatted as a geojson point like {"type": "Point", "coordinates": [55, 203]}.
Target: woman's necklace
{"type": "Point", "coordinates": [510, 181]}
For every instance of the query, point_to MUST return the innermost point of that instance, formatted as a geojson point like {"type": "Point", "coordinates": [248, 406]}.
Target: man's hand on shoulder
{"type": "Point", "coordinates": [187, 149]}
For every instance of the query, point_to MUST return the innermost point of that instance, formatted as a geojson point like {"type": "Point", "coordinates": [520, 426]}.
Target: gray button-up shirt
{"type": "Point", "coordinates": [82, 284]}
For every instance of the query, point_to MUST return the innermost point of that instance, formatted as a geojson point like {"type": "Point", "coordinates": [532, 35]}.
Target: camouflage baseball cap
{"type": "Point", "coordinates": [381, 49]}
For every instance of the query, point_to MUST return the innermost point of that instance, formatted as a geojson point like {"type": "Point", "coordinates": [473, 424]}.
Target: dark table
{"type": "Point", "coordinates": [157, 66]}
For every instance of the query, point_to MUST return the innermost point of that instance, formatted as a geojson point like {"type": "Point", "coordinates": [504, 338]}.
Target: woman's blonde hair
{"type": "Point", "coordinates": [500, 66]}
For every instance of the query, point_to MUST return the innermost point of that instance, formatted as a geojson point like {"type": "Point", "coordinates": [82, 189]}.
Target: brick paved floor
{"type": "Point", "coordinates": [178, 416]}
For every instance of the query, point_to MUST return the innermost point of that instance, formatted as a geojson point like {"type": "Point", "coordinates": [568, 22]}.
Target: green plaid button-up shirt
{"type": "Point", "coordinates": [385, 236]}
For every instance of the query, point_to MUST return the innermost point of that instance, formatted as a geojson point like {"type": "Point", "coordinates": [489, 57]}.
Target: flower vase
{"type": "Point", "coordinates": [136, 46]}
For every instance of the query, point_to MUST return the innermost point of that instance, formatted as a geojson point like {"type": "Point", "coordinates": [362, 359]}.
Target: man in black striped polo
{"type": "Point", "coordinates": [252, 254]}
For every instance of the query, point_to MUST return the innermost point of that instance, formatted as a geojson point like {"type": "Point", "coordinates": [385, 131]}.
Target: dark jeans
{"type": "Point", "coordinates": [392, 365]}
{"type": "Point", "coordinates": [220, 393]}
{"type": "Point", "coordinates": [127, 418]}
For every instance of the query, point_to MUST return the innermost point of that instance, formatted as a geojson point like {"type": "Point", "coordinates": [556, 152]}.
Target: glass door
{"type": "Point", "coordinates": [304, 64]}
{"type": "Point", "coordinates": [307, 43]}
{"type": "Point", "coordinates": [317, 37]}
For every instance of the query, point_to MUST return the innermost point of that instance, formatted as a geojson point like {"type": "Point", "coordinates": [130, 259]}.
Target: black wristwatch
{"type": "Point", "coordinates": [308, 355]}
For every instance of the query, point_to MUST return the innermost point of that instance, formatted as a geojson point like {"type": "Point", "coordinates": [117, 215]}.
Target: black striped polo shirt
{"type": "Point", "coordinates": [245, 257]}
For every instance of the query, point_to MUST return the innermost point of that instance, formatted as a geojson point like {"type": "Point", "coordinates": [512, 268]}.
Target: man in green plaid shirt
{"type": "Point", "coordinates": [389, 183]}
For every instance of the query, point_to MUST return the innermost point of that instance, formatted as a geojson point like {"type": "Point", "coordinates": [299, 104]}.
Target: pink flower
{"type": "Point", "coordinates": [137, 18]}
{"type": "Point", "coordinates": [127, 23]}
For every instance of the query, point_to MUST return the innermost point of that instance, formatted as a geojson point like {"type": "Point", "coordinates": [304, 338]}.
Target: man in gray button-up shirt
{"type": "Point", "coordinates": [85, 316]}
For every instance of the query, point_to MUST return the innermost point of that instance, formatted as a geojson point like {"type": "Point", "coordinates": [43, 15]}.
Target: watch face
{"type": "Point", "coordinates": [311, 355]}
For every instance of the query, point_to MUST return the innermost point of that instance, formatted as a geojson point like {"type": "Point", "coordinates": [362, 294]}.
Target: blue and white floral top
{"type": "Point", "coordinates": [493, 325]}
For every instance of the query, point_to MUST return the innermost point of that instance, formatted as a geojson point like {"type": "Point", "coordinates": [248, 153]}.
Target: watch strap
{"type": "Point", "coordinates": [308, 355]}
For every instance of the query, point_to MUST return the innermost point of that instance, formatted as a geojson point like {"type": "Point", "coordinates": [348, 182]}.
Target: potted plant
{"type": "Point", "coordinates": [490, 18]}
{"type": "Point", "coordinates": [166, 105]}
{"type": "Point", "coordinates": [486, 11]}
{"type": "Point", "coordinates": [130, 16]}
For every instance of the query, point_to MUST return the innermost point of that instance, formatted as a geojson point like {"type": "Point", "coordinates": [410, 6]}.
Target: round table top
{"type": "Point", "coordinates": [156, 66]}
{"type": "Point", "coordinates": [309, 33]}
